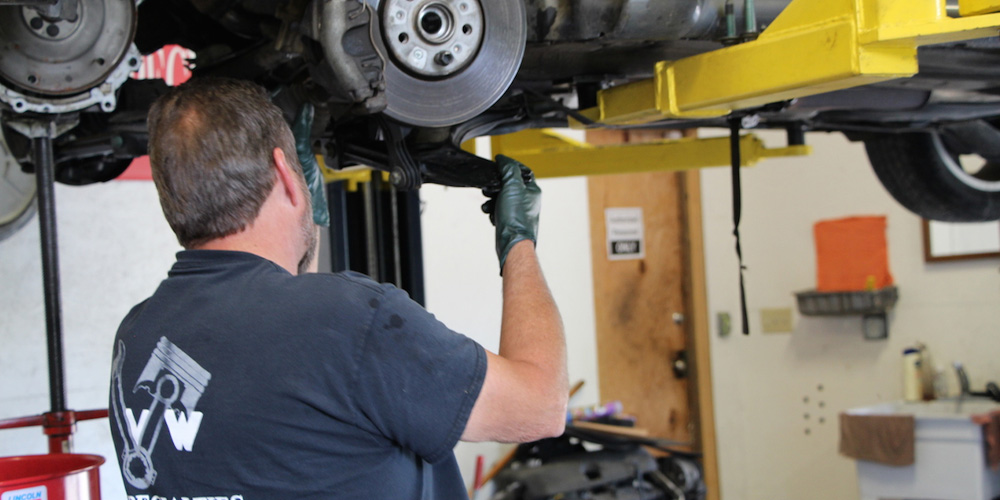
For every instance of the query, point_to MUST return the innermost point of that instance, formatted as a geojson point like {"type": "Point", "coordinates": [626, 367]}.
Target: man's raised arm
{"type": "Point", "coordinates": [524, 395]}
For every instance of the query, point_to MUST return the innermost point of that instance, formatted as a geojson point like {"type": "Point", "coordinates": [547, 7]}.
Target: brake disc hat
{"type": "Point", "coordinates": [448, 60]}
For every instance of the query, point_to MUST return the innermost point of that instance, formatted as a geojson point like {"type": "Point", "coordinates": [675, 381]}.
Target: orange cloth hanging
{"type": "Point", "coordinates": [852, 254]}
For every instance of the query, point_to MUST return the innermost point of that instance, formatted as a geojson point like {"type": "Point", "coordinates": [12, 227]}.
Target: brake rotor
{"type": "Point", "coordinates": [448, 60]}
{"type": "Point", "coordinates": [58, 57]}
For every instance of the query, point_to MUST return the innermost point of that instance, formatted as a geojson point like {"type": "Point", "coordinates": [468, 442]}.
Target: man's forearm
{"type": "Point", "coordinates": [523, 397]}
{"type": "Point", "coordinates": [531, 331]}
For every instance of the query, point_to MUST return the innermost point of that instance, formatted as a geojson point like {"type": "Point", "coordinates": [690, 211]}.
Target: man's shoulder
{"type": "Point", "coordinates": [349, 281]}
{"type": "Point", "coordinates": [345, 288]}
{"type": "Point", "coordinates": [133, 314]}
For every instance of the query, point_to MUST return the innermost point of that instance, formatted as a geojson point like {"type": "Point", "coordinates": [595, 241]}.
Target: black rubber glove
{"type": "Point", "coordinates": [514, 209]}
{"type": "Point", "coordinates": [301, 129]}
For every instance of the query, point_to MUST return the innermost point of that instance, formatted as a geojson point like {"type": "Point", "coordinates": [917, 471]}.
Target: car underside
{"type": "Point", "coordinates": [399, 85]}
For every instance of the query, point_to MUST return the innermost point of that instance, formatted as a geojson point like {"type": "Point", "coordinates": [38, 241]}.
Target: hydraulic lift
{"type": "Point", "coordinates": [811, 48]}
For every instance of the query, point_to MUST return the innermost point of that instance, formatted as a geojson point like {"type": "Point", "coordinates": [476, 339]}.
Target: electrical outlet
{"type": "Point", "coordinates": [724, 323]}
{"type": "Point", "coordinates": [776, 320]}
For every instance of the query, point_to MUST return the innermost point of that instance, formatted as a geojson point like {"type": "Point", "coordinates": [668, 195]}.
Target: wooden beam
{"type": "Point", "coordinates": [699, 328]}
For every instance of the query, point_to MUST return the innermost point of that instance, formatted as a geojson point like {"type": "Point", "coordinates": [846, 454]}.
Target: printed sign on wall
{"type": "Point", "coordinates": [626, 239]}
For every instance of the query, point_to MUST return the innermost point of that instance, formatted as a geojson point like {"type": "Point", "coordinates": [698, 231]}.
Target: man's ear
{"type": "Point", "coordinates": [290, 184]}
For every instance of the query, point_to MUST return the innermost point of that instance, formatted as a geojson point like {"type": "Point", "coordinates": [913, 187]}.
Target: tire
{"type": "Point", "coordinates": [17, 193]}
{"type": "Point", "coordinates": [923, 175]}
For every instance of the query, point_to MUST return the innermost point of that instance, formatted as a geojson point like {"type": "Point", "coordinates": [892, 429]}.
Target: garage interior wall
{"type": "Point", "coordinates": [766, 384]}
{"type": "Point", "coordinates": [115, 248]}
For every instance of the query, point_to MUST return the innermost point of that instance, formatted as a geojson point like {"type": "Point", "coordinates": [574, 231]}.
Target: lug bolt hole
{"type": "Point", "coordinates": [52, 30]}
{"type": "Point", "coordinates": [403, 38]}
{"type": "Point", "coordinates": [32, 79]}
{"type": "Point", "coordinates": [36, 23]}
{"type": "Point", "coordinates": [467, 29]}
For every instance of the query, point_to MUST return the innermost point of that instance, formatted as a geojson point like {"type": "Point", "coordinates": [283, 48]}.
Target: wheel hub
{"type": "Point", "coordinates": [448, 60]}
{"type": "Point", "coordinates": [433, 38]}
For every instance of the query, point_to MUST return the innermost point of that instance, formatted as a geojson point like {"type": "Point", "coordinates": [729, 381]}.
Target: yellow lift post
{"type": "Point", "coordinates": [814, 46]}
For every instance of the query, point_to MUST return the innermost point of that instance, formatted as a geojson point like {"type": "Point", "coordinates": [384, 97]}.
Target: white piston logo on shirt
{"type": "Point", "coordinates": [175, 382]}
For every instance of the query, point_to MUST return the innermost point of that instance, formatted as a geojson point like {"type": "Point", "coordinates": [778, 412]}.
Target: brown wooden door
{"type": "Point", "coordinates": [648, 309]}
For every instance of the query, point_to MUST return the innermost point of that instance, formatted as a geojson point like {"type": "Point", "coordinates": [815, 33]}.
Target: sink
{"type": "Point", "coordinates": [950, 453]}
{"type": "Point", "coordinates": [950, 408]}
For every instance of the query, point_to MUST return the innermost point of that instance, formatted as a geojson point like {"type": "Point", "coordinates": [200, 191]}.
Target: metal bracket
{"type": "Point", "coordinates": [34, 128]}
{"type": "Point", "coordinates": [353, 63]}
{"type": "Point", "coordinates": [811, 48]}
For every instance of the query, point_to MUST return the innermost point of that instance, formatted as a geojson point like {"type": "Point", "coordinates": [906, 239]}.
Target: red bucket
{"type": "Point", "coordinates": [50, 477]}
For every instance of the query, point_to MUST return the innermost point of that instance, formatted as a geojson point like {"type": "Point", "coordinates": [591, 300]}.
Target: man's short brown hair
{"type": "Point", "coordinates": [210, 148]}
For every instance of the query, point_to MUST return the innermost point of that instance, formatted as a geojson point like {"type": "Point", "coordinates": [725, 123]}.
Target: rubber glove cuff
{"type": "Point", "coordinates": [302, 130]}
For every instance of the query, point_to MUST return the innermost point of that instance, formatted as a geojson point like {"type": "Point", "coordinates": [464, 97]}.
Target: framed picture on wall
{"type": "Point", "coordinates": [948, 241]}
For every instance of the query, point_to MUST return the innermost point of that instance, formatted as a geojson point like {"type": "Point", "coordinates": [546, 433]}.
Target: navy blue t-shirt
{"type": "Point", "coordinates": [238, 380]}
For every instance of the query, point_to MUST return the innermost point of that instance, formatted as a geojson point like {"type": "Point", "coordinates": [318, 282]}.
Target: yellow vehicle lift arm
{"type": "Point", "coordinates": [551, 154]}
{"type": "Point", "coordinates": [814, 46]}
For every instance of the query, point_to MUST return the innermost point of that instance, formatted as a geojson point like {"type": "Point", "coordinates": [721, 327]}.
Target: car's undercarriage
{"type": "Point", "coordinates": [398, 85]}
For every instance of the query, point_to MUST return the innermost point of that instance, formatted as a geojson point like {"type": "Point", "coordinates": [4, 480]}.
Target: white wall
{"type": "Point", "coordinates": [762, 381]}
{"type": "Point", "coordinates": [114, 248]}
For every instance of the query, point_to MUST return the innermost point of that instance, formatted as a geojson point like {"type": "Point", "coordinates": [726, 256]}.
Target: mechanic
{"type": "Point", "coordinates": [244, 377]}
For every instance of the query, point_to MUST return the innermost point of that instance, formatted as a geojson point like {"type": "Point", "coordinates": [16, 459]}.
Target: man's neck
{"type": "Point", "coordinates": [268, 236]}
{"type": "Point", "coordinates": [276, 233]}
{"type": "Point", "coordinates": [251, 245]}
